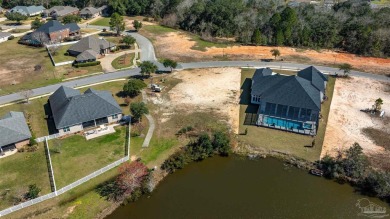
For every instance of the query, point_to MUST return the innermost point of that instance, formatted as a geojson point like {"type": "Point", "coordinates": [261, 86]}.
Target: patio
{"type": "Point", "coordinates": [102, 130]}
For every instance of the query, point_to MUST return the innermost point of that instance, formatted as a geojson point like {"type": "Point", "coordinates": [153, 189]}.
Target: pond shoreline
{"type": "Point", "coordinates": [246, 151]}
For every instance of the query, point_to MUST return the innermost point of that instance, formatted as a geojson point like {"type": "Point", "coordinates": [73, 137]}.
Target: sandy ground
{"type": "Point", "coordinates": [182, 51]}
{"type": "Point", "coordinates": [346, 120]}
{"type": "Point", "coordinates": [204, 90]}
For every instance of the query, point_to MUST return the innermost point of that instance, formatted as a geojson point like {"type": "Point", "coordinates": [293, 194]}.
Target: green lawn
{"type": "Point", "coordinates": [104, 21]}
{"type": "Point", "coordinates": [202, 45]}
{"type": "Point", "coordinates": [35, 111]}
{"type": "Point", "coordinates": [20, 170]}
{"type": "Point", "coordinates": [123, 61]}
{"type": "Point", "coordinates": [93, 155]}
{"type": "Point", "coordinates": [276, 140]}
{"type": "Point", "coordinates": [60, 56]}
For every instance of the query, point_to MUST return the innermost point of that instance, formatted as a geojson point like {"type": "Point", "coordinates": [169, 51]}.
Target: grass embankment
{"type": "Point", "coordinates": [104, 21]}
{"type": "Point", "coordinates": [123, 61]}
{"type": "Point", "coordinates": [276, 140]}
{"type": "Point", "coordinates": [93, 154]}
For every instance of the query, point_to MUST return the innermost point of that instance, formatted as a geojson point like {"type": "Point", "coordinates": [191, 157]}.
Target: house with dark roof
{"type": "Point", "coordinates": [28, 10]}
{"type": "Point", "coordinates": [14, 130]}
{"type": "Point", "coordinates": [73, 112]}
{"type": "Point", "coordinates": [291, 103]}
{"type": "Point", "coordinates": [4, 36]}
{"type": "Point", "coordinates": [91, 12]}
{"type": "Point", "coordinates": [51, 31]}
{"type": "Point", "coordinates": [56, 12]}
{"type": "Point", "coordinates": [90, 46]}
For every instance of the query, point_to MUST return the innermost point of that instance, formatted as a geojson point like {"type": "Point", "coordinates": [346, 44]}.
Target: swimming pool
{"type": "Point", "coordinates": [271, 121]}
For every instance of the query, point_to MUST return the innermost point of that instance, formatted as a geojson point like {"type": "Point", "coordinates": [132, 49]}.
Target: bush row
{"type": "Point", "coordinates": [86, 64]}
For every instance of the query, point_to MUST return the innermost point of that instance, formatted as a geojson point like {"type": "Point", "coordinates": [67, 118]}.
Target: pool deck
{"type": "Point", "coordinates": [260, 122]}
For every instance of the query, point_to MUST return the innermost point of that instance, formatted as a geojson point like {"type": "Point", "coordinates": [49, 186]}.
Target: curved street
{"type": "Point", "coordinates": [148, 54]}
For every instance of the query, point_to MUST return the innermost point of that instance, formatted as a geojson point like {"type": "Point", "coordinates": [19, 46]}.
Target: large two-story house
{"type": "Point", "coordinates": [291, 103]}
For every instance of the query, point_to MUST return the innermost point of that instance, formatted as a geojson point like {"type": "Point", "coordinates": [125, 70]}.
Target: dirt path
{"type": "Point", "coordinates": [202, 90]}
{"type": "Point", "coordinates": [346, 121]}
{"type": "Point", "coordinates": [183, 51]}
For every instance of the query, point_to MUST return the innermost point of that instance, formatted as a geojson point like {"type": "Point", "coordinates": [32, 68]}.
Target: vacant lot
{"type": "Point", "coordinates": [67, 154]}
{"type": "Point", "coordinates": [104, 21]}
{"type": "Point", "coordinates": [346, 121]}
{"type": "Point", "coordinates": [191, 48]}
{"type": "Point", "coordinates": [20, 170]}
{"type": "Point", "coordinates": [272, 140]}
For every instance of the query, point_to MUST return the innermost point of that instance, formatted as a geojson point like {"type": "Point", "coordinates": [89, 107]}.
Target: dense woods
{"type": "Point", "coordinates": [351, 25]}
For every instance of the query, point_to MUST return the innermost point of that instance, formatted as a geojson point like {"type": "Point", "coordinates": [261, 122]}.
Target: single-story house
{"type": "Point", "coordinates": [52, 31]}
{"type": "Point", "coordinates": [83, 49]}
{"type": "Point", "coordinates": [28, 10]}
{"type": "Point", "coordinates": [90, 12]}
{"type": "Point", "coordinates": [291, 103]}
{"type": "Point", "coordinates": [4, 36]}
{"type": "Point", "coordinates": [73, 112]}
{"type": "Point", "coordinates": [60, 11]}
{"type": "Point", "coordinates": [14, 130]}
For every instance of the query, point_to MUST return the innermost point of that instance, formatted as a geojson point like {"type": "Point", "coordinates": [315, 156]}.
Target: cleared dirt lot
{"type": "Point", "coordinates": [203, 90]}
{"type": "Point", "coordinates": [181, 46]}
{"type": "Point", "coordinates": [346, 121]}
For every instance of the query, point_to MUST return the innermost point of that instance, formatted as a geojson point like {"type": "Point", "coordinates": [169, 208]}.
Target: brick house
{"type": "Point", "coordinates": [15, 132]}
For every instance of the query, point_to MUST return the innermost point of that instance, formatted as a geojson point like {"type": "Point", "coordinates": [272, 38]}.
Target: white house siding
{"type": "Point", "coordinates": [3, 39]}
{"type": "Point", "coordinates": [73, 129]}
{"type": "Point", "coordinates": [111, 120]}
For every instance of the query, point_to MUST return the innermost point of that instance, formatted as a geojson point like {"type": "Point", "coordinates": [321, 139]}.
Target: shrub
{"type": "Point", "coordinates": [11, 37]}
{"type": "Point", "coordinates": [66, 53]}
{"type": "Point", "coordinates": [185, 130]}
{"type": "Point", "coordinates": [33, 192]}
{"type": "Point", "coordinates": [86, 64]}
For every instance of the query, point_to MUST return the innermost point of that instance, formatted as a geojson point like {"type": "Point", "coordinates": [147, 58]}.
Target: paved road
{"type": "Point", "coordinates": [148, 54]}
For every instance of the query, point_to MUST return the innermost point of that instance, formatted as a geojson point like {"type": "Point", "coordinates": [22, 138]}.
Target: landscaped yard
{"type": "Point", "coordinates": [123, 61]}
{"type": "Point", "coordinates": [59, 55]}
{"type": "Point", "coordinates": [276, 140]}
{"type": "Point", "coordinates": [69, 153]}
{"type": "Point", "coordinates": [104, 21]}
{"type": "Point", "coordinates": [20, 170]}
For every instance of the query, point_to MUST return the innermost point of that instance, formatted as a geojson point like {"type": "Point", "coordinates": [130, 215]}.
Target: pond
{"type": "Point", "coordinates": [237, 187]}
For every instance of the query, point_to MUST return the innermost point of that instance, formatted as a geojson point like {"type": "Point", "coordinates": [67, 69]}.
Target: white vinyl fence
{"type": "Point", "coordinates": [74, 184]}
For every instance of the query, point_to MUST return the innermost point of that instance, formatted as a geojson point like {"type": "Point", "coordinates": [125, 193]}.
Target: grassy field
{"type": "Point", "coordinates": [123, 61]}
{"type": "Point", "coordinates": [60, 54]}
{"type": "Point", "coordinates": [280, 141]}
{"type": "Point", "coordinates": [104, 21]}
{"type": "Point", "coordinates": [20, 170]}
{"type": "Point", "coordinates": [93, 154]}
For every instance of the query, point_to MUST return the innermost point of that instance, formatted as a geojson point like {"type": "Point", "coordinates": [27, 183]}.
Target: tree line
{"type": "Point", "coordinates": [351, 26]}
{"type": "Point", "coordinates": [354, 167]}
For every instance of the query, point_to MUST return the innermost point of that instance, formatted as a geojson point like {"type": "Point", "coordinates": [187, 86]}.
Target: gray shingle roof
{"type": "Point", "coordinates": [4, 35]}
{"type": "Point", "coordinates": [69, 107]}
{"type": "Point", "coordinates": [314, 76]}
{"type": "Point", "coordinates": [287, 90]}
{"type": "Point", "coordinates": [13, 128]}
{"type": "Point", "coordinates": [62, 10]}
{"type": "Point", "coordinates": [87, 55]}
{"type": "Point", "coordinates": [72, 27]}
{"type": "Point", "coordinates": [90, 42]}
{"type": "Point", "coordinates": [260, 72]}
{"type": "Point", "coordinates": [51, 26]}
{"type": "Point", "coordinates": [28, 10]}
{"type": "Point", "coordinates": [89, 11]}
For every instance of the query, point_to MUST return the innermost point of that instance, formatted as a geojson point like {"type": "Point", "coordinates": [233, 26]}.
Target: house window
{"type": "Point", "coordinates": [66, 129]}
{"type": "Point", "coordinates": [115, 116]}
